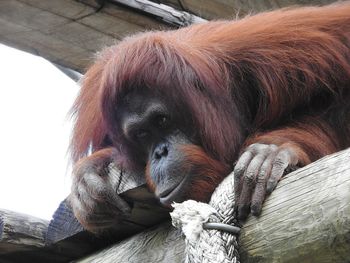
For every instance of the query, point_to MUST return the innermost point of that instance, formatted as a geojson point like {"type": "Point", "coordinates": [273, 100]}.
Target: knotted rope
{"type": "Point", "coordinates": [210, 229]}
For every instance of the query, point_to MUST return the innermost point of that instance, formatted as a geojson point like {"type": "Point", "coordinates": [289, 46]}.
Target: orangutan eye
{"type": "Point", "coordinates": [141, 134]}
{"type": "Point", "coordinates": [162, 122]}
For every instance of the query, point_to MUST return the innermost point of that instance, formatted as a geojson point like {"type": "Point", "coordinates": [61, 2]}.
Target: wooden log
{"type": "Point", "coordinates": [166, 13]}
{"type": "Point", "coordinates": [306, 219]}
{"type": "Point", "coordinates": [22, 239]}
{"type": "Point", "coordinates": [159, 244]}
{"type": "Point", "coordinates": [20, 232]}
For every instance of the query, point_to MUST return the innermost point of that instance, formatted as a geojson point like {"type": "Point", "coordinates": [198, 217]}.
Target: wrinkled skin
{"type": "Point", "coordinates": [93, 196]}
{"type": "Point", "coordinates": [257, 173]}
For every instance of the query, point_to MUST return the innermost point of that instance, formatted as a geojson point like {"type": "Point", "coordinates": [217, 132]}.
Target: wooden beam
{"type": "Point", "coordinates": [70, 32]}
{"type": "Point", "coordinates": [306, 219]}
{"type": "Point", "coordinates": [164, 12]}
{"type": "Point", "coordinates": [218, 9]}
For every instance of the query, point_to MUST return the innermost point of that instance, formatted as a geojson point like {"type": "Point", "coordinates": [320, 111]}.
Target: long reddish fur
{"type": "Point", "coordinates": [258, 79]}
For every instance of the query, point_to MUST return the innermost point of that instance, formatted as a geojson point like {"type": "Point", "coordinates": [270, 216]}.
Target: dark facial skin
{"type": "Point", "coordinates": [153, 130]}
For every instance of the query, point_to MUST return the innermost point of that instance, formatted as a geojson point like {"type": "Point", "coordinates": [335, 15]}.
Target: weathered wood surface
{"type": "Point", "coordinates": [22, 239]}
{"type": "Point", "coordinates": [161, 244]}
{"type": "Point", "coordinates": [70, 32]}
{"type": "Point", "coordinates": [163, 12]}
{"type": "Point", "coordinates": [306, 219]}
{"type": "Point", "coordinates": [19, 231]}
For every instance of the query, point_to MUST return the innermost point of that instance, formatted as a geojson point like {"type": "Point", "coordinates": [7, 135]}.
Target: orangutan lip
{"type": "Point", "coordinates": [168, 197]}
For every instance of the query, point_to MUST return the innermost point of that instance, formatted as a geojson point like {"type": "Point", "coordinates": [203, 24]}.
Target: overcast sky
{"type": "Point", "coordinates": [34, 103]}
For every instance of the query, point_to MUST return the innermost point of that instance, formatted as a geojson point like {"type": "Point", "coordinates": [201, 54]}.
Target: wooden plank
{"type": "Point", "coordinates": [64, 8]}
{"type": "Point", "coordinates": [306, 219]}
{"type": "Point", "coordinates": [68, 32]}
{"type": "Point", "coordinates": [42, 33]}
{"type": "Point", "coordinates": [107, 18]}
{"type": "Point", "coordinates": [40, 44]}
{"type": "Point", "coordinates": [125, 14]}
{"type": "Point", "coordinates": [78, 10]}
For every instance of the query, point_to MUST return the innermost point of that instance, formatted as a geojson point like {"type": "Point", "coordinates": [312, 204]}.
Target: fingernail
{"type": "Point", "coordinates": [256, 210]}
{"type": "Point", "coordinates": [270, 186]}
{"type": "Point", "coordinates": [243, 212]}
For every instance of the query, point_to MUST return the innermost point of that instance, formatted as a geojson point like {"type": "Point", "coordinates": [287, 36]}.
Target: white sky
{"type": "Point", "coordinates": [35, 98]}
